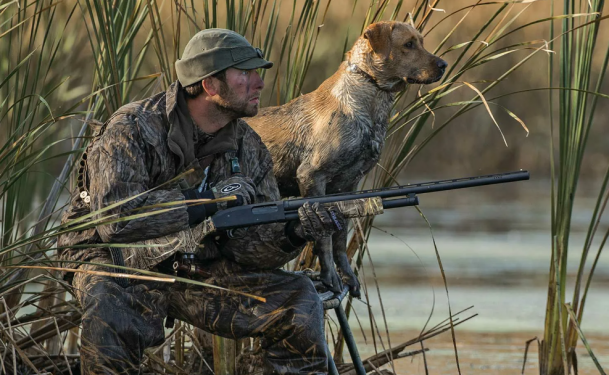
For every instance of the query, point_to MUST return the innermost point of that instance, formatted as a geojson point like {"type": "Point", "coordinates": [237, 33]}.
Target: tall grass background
{"type": "Point", "coordinates": [66, 66]}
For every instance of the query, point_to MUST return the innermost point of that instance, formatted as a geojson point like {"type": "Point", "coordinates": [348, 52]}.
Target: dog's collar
{"type": "Point", "coordinates": [356, 69]}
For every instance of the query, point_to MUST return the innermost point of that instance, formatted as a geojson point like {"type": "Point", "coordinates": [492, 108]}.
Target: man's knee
{"type": "Point", "coordinates": [306, 302]}
{"type": "Point", "coordinates": [103, 317]}
{"type": "Point", "coordinates": [114, 315]}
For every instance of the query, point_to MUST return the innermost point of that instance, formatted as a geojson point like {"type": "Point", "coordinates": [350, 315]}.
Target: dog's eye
{"type": "Point", "coordinates": [408, 45]}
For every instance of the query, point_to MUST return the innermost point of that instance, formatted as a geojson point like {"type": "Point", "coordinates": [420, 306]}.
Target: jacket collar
{"type": "Point", "coordinates": [224, 141]}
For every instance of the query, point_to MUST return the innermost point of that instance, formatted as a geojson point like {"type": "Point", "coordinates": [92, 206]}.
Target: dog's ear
{"type": "Point", "coordinates": [379, 37]}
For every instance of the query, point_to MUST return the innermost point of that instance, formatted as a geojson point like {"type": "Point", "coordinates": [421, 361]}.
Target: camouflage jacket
{"type": "Point", "coordinates": [144, 145]}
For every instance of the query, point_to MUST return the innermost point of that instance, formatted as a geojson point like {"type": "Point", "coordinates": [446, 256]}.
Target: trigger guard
{"type": "Point", "coordinates": [236, 233]}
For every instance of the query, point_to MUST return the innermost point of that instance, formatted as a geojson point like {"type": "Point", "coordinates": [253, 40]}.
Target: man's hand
{"type": "Point", "coordinates": [240, 186]}
{"type": "Point", "coordinates": [318, 221]}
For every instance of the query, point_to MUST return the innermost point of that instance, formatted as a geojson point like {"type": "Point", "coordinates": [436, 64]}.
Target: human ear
{"type": "Point", "coordinates": [210, 86]}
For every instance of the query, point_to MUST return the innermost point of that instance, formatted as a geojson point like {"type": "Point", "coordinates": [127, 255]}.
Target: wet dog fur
{"type": "Point", "coordinates": [324, 142]}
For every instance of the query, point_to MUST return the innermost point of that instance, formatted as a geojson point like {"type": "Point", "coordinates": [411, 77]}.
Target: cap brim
{"type": "Point", "coordinates": [255, 63]}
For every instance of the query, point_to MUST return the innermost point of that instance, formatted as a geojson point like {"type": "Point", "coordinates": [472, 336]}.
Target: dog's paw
{"type": "Point", "coordinates": [348, 276]}
{"type": "Point", "coordinates": [330, 278]}
{"type": "Point", "coordinates": [354, 286]}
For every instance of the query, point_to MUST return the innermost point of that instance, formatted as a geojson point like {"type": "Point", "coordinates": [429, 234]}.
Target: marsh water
{"type": "Point", "coordinates": [494, 245]}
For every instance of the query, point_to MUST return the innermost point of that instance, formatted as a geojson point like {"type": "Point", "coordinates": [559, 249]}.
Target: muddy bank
{"type": "Point", "coordinates": [483, 353]}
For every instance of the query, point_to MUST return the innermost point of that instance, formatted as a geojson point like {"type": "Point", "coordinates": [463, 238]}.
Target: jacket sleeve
{"type": "Point", "coordinates": [118, 168]}
{"type": "Point", "coordinates": [261, 246]}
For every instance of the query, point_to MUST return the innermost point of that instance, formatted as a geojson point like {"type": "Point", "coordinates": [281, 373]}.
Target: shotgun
{"type": "Point", "coordinates": [353, 204]}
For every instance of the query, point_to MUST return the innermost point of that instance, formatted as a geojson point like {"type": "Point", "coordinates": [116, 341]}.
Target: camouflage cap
{"type": "Point", "coordinates": [213, 50]}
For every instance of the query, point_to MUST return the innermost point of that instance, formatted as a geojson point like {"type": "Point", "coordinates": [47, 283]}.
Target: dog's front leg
{"type": "Point", "coordinates": [327, 273]}
{"type": "Point", "coordinates": [312, 183]}
{"type": "Point", "coordinates": [339, 250]}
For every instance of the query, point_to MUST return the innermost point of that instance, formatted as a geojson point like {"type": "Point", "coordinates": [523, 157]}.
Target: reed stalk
{"type": "Point", "coordinates": [576, 117]}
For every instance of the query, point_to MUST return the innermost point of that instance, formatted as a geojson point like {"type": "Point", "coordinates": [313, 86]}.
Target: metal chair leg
{"type": "Point", "coordinates": [332, 370]}
{"type": "Point", "coordinates": [349, 340]}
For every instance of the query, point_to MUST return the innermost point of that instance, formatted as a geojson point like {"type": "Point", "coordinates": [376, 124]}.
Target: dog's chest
{"type": "Point", "coordinates": [372, 136]}
{"type": "Point", "coordinates": [362, 149]}
{"type": "Point", "coordinates": [373, 127]}
{"type": "Point", "coordinates": [371, 143]}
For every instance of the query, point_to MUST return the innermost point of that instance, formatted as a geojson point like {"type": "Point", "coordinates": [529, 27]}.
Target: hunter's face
{"type": "Point", "coordinates": [240, 95]}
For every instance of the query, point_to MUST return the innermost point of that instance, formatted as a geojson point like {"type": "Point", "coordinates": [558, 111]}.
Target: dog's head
{"type": "Point", "coordinates": [393, 53]}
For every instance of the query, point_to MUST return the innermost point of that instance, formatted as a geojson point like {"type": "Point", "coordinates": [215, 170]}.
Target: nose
{"type": "Point", "coordinates": [258, 82]}
{"type": "Point", "coordinates": [442, 64]}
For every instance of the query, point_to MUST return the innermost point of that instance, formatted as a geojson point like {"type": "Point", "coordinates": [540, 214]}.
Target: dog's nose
{"type": "Point", "coordinates": [442, 64]}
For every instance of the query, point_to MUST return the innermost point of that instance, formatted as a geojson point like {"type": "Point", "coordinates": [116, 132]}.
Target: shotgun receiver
{"type": "Point", "coordinates": [353, 204]}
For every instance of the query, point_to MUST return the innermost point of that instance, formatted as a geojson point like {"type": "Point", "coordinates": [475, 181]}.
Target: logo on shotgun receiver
{"type": "Point", "coordinates": [230, 188]}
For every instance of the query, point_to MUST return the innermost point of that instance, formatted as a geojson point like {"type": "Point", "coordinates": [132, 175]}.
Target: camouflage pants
{"type": "Point", "coordinates": [119, 323]}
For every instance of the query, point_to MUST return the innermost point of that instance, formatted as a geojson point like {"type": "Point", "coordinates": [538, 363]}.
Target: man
{"type": "Point", "coordinates": [194, 131]}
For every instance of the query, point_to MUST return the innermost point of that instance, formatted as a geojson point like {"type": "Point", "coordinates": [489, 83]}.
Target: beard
{"type": "Point", "coordinates": [229, 104]}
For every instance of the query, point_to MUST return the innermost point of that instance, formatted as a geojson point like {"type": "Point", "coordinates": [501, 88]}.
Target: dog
{"type": "Point", "coordinates": [325, 141]}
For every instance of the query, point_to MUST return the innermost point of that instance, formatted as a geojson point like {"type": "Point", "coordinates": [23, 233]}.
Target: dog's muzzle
{"type": "Point", "coordinates": [441, 64]}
